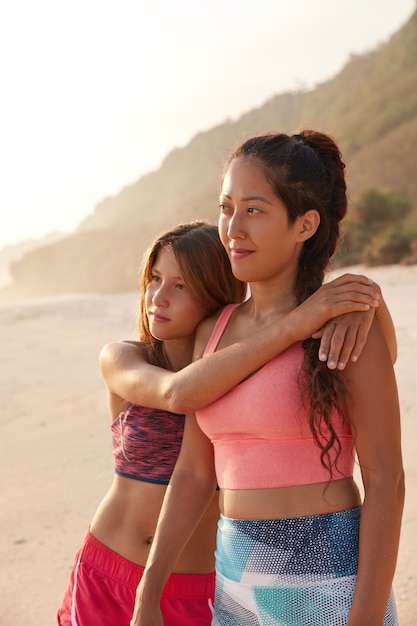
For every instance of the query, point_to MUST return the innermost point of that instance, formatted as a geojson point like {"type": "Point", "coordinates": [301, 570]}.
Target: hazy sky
{"type": "Point", "coordinates": [95, 93]}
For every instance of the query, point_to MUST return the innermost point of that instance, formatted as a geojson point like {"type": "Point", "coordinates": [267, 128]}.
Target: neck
{"type": "Point", "coordinates": [179, 352]}
{"type": "Point", "coordinates": [277, 298]}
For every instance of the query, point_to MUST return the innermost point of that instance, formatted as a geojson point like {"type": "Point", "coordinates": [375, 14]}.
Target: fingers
{"type": "Point", "coordinates": [354, 278]}
{"type": "Point", "coordinates": [337, 340]}
{"type": "Point", "coordinates": [343, 338]}
{"type": "Point", "coordinates": [342, 346]}
{"type": "Point", "coordinates": [326, 334]}
{"type": "Point", "coordinates": [356, 288]}
{"type": "Point", "coordinates": [344, 295]}
{"type": "Point", "coordinates": [361, 337]}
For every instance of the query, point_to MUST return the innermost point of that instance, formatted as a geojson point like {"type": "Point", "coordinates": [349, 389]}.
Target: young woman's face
{"type": "Point", "coordinates": [172, 313]}
{"type": "Point", "coordinates": [253, 224]}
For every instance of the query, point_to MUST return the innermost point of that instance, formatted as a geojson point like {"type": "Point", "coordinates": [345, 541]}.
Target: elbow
{"type": "Point", "coordinates": [397, 490]}
{"type": "Point", "coordinates": [177, 401]}
{"type": "Point", "coordinates": [389, 487]}
{"type": "Point", "coordinates": [398, 485]}
{"type": "Point", "coordinates": [401, 488]}
{"type": "Point", "coordinates": [397, 499]}
{"type": "Point", "coordinates": [394, 353]}
{"type": "Point", "coordinates": [394, 490]}
{"type": "Point", "coordinates": [188, 405]}
{"type": "Point", "coordinates": [181, 397]}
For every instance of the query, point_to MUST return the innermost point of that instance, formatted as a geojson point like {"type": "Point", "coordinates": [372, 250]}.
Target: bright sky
{"type": "Point", "coordinates": [95, 93]}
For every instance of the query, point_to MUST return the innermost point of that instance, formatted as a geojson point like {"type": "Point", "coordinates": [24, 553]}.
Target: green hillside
{"type": "Point", "coordinates": [370, 107]}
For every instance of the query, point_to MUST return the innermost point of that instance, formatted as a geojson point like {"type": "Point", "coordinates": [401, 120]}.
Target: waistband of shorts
{"type": "Point", "coordinates": [109, 563]}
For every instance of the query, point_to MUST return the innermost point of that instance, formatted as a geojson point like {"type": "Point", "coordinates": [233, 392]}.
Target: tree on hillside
{"type": "Point", "coordinates": [377, 233]}
{"type": "Point", "coordinates": [376, 208]}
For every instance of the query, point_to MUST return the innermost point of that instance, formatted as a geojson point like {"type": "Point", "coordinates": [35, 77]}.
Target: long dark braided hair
{"type": "Point", "coordinates": [306, 172]}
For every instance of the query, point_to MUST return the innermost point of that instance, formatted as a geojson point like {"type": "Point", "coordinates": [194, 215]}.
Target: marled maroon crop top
{"type": "Point", "coordinates": [146, 443]}
{"type": "Point", "coordinates": [260, 429]}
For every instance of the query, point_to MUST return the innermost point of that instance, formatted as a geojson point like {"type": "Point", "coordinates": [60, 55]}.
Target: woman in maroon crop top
{"type": "Point", "coordinates": [307, 551]}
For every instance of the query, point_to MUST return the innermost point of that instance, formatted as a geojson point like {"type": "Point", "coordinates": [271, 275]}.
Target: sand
{"type": "Point", "coordinates": [56, 461]}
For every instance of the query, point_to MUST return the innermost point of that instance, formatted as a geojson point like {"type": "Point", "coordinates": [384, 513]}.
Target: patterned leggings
{"type": "Point", "coordinates": [288, 572]}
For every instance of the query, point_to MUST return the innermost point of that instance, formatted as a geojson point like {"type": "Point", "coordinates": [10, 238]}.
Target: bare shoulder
{"type": "Point", "coordinates": [125, 346]}
{"type": "Point", "coordinates": [121, 352]}
{"type": "Point", "coordinates": [371, 380]}
{"type": "Point", "coordinates": [375, 356]}
{"type": "Point", "coordinates": [203, 334]}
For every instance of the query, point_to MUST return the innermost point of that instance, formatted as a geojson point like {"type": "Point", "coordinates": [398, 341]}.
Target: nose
{"type": "Point", "coordinates": [159, 297]}
{"type": "Point", "coordinates": [235, 226]}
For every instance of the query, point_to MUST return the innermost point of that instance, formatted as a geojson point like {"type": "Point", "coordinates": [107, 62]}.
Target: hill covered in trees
{"type": "Point", "coordinates": [370, 107]}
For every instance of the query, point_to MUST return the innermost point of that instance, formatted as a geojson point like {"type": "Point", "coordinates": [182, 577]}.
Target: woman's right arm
{"type": "Point", "coordinates": [189, 492]}
{"type": "Point", "coordinates": [374, 414]}
{"type": "Point", "coordinates": [128, 375]}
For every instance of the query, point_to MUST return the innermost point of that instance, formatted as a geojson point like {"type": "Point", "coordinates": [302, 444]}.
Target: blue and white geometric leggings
{"type": "Point", "coordinates": [288, 572]}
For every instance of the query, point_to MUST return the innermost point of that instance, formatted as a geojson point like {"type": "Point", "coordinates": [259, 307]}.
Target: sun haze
{"type": "Point", "coordinates": [95, 94]}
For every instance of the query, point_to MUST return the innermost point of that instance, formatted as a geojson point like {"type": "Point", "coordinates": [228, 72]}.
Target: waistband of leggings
{"type": "Point", "coordinates": [349, 515]}
{"type": "Point", "coordinates": [109, 563]}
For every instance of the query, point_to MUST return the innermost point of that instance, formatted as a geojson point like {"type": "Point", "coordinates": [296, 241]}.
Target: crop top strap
{"type": "Point", "coordinates": [219, 327]}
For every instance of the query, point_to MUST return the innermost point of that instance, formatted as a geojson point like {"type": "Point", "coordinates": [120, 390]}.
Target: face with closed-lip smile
{"type": "Point", "coordinates": [254, 226]}
{"type": "Point", "coordinates": [171, 311]}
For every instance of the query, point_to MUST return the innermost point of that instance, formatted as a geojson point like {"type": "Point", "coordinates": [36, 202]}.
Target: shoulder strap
{"type": "Point", "coordinates": [219, 327]}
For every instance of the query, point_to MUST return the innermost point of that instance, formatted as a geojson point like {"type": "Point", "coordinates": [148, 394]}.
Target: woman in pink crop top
{"type": "Point", "coordinates": [296, 544]}
{"type": "Point", "coordinates": [147, 397]}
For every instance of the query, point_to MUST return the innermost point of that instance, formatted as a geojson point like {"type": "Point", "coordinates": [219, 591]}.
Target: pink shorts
{"type": "Point", "coordinates": [102, 587]}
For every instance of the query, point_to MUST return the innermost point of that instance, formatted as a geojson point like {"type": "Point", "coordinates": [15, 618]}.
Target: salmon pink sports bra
{"type": "Point", "coordinates": [260, 429]}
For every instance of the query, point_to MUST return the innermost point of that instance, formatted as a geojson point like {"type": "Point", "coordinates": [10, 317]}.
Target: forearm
{"type": "Point", "coordinates": [132, 378]}
{"type": "Point", "coordinates": [378, 548]}
{"type": "Point", "coordinates": [207, 379]}
{"type": "Point", "coordinates": [190, 490]}
{"type": "Point", "coordinates": [228, 367]}
{"type": "Point", "coordinates": [185, 503]}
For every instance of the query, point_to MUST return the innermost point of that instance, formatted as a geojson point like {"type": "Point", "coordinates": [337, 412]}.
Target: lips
{"type": "Point", "coordinates": [159, 318]}
{"type": "Point", "coordinates": [240, 253]}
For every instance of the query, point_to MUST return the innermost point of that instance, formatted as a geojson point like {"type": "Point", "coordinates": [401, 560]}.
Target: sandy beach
{"type": "Point", "coordinates": [56, 459]}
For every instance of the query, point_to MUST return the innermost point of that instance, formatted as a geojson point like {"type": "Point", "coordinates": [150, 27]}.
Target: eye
{"type": "Point", "coordinates": [252, 210]}
{"type": "Point", "coordinates": [180, 286]}
{"type": "Point", "coordinates": [224, 208]}
{"type": "Point", "coordinates": [155, 279]}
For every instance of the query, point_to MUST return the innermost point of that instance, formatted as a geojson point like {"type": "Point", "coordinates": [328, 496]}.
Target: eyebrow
{"type": "Point", "coordinates": [179, 277]}
{"type": "Point", "coordinates": [248, 198]}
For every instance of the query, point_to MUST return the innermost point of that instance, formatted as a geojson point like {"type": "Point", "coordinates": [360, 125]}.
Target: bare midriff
{"type": "Point", "coordinates": [285, 502]}
{"type": "Point", "coordinates": [126, 521]}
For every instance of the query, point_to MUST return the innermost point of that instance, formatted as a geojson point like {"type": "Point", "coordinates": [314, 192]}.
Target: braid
{"type": "Point", "coordinates": [324, 387]}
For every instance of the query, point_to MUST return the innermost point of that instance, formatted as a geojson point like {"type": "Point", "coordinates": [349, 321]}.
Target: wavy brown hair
{"type": "Point", "coordinates": [306, 172]}
{"type": "Point", "coordinates": [205, 269]}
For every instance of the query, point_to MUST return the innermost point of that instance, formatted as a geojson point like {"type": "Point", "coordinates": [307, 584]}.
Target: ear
{"type": "Point", "coordinates": [308, 224]}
